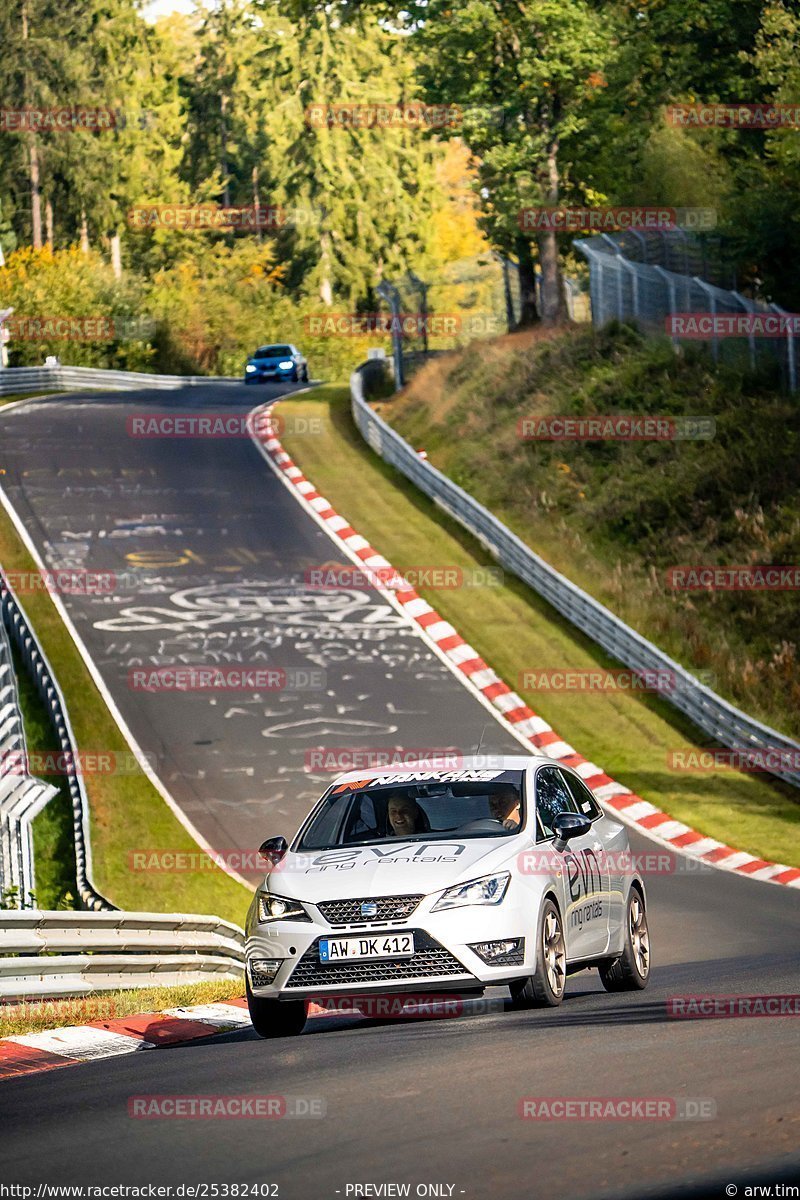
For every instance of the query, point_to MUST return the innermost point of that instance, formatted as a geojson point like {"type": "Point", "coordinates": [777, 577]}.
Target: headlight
{"type": "Point", "coordinates": [286, 366]}
{"type": "Point", "coordinates": [279, 908]}
{"type": "Point", "coordinates": [489, 890]}
{"type": "Point", "coordinates": [249, 367]}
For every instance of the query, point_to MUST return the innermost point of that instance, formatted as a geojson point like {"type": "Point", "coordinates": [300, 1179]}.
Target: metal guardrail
{"type": "Point", "coordinates": [723, 722]}
{"type": "Point", "coordinates": [22, 796]}
{"type": "Point", "coordinates": [62, 378]}
{"type": "Point", "coordinates": [21, 634]}
{"type": "Point", "coordinates": [69, 953]}
{"type": "Point", "coordinates": [72, 953]}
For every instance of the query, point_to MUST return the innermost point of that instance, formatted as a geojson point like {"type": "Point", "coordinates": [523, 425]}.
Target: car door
{"type": "Point", "coordinates": [584, 873]}
{"type": "Point", "coordinates": [611, 843]}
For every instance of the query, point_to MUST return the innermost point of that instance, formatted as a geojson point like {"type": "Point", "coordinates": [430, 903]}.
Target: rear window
{"type": "Point", "coordinates": [273, 352]}
{"type": "Point", "coordinates": [425, 810]}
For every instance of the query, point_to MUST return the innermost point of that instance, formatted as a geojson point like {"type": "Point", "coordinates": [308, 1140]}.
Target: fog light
{"type": "Point", "coordinates": [264, 970]}
{"type": "Point", "coordinates": [509, 950]}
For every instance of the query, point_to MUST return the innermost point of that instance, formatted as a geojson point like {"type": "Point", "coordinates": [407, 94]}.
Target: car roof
{"type": "Point", "coordinates": [475, 762]}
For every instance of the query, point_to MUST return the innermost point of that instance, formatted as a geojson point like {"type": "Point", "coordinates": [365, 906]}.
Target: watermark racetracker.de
{"type": "Point", "coordinates": [617, 1108]}
{"type": "Point", "coordinates": [615, 427]}
{"type": "Point", "coordinates": [212, 678]}
{"type": "Point", "coordinates": [216, 425]}
{"type": "Point", "coordinates": [224, 1107]}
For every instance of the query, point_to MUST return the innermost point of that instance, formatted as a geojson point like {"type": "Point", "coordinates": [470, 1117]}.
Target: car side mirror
{"type": "Point", "coordinates": [567, 825]}
{"type": "Point", "coordinates": [273, 850]}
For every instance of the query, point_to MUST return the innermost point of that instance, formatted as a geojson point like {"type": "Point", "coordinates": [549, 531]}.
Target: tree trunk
{"type": "Point", "coordinates": [36, 193]}
{"type": "Point", "coordinates": [528, 313]}
{"type": "Point", "coordinates": [552, 302]}
{"type": "Point", "coordinates": [552, 295]}
{"type": "Point", "coordinates": [115, 243]}
{"type": "Point", "coordinates": [84, 232]}
{"type": "Point", "coordinates": [256, 202]}
{"type": "Point", "coordinates": [325, 286]}
{"type": "Point", "coordinates": [223, 150]}
{"type": "Point", "coordinates": [34, 172]}
{"type": "Point", "coordinates": [48, 222]}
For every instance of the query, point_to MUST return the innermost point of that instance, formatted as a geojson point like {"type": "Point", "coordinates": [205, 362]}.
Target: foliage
{"type": "Point", "coordinates": [615, 516]}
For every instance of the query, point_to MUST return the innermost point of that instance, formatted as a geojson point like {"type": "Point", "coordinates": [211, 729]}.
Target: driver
{"type": "Point", "coordinates": [405, 815]}
{"type": "Point", "coordinates": [504, 806]}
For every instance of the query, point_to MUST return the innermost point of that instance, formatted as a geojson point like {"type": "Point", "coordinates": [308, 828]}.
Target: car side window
{"type": "Point", "coordinates": [583, 797]}
{"type": "Point", "coordinates": [552, 797]}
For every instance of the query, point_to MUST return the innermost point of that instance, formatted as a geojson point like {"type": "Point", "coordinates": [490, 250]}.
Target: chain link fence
{"type": "Point", "coordinates": [468, 300]}
{"type": "Point", "coordinates": [472, 298]}
{"type": "Point", "coordinates": [631, 281]}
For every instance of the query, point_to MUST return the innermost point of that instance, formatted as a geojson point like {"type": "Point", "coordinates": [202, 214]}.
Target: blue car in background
{"type": "Point", "coordinates": [281, 361]}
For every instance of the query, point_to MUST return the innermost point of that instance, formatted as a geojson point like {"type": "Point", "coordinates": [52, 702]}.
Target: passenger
{"type": "Point", "coordinates": [504, 806]}
{"type": "Point", "coordinates": [405, 816]}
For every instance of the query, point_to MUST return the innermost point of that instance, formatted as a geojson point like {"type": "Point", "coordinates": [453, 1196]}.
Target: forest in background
{"type": "Point", "coordinates": [550, 102]}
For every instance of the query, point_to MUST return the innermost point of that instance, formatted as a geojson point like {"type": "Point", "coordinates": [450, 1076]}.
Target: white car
{"type": "Point", "coordinates": [421, 881]}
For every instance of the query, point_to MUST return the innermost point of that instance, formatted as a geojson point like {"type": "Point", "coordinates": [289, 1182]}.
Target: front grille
{"type": "Point", "coordinates": [348, 912]}
{"type": "Point", "coordinates": [429, 961]}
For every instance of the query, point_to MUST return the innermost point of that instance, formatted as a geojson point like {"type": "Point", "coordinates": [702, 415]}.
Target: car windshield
{"type": "Point", "coordinates": [272, 351]}
{"type": "Point", "coordinates": [392, 809]}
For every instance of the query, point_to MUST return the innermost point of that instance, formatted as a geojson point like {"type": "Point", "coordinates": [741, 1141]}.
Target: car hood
{"type": "Point", "coordinates": [389, 869]}
{"type": "Point", "coordinates": [268, 362]}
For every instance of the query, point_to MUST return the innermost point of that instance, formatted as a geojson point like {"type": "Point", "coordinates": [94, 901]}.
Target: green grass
{"type": "Point", "coordinates": [126, 811]}
{"type": "Point", "coordinates": [514, 630]}
{"type": "Point", "coordinates": [53, 847]}
{"type": "Point", "coordinates": [614, 517]}
{"type": "Point", "coordinates": [30, 1016]}
{"type": "Point", "coordinates": [14, 396]}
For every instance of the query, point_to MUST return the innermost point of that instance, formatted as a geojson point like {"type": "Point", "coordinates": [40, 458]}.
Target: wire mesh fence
{"type": "Point", "coordinates": [739, 330]}
{"type": "Point", "coordinates": [472, 298]}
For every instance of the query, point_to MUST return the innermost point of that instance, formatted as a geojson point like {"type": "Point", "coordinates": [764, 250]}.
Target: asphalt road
{"type": "Point", "coordinates": [419, 1102]}
{"type": "Point", "coordinates": [212, 559]}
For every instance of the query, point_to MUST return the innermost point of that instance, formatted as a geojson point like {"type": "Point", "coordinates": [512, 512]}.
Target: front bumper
{"type": "Point", "coordinates": [261, 376]}
{"type": "Point", "coordinates": [443, 957]}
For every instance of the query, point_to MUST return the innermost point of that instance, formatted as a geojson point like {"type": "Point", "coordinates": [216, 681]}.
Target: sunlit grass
{"type": "Point", "coordinates": [515, 631]}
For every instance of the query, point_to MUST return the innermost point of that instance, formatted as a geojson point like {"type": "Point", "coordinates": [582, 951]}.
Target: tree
{"type": "Point", "coordinates": [525, 73]}
{"type": "Point", "coordinates": [352, 203]}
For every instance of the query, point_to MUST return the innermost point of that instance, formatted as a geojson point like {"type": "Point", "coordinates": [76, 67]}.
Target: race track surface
{"type": "Point", "coordinates": [420, 1102]}
{"type": "Point", "coordinates": [211, 557]}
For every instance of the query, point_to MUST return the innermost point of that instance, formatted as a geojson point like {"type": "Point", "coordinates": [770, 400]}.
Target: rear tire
{"type": "Point", "coordinates": [275, 1018]}
{"type": "Point", "coordinates": [304, 376]}
{"type": "Point", "coordinates": [631, 971]}
{"type": "Point", "coordinates": [545, 988]}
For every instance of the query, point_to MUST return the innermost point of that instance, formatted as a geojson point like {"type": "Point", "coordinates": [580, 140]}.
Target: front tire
{"type": "Point", "coordinates": [545, 988]}
{"type": "Point", "coordinates": [631, 971]}
{"type": "Point", "coordinates": [275, 1018]}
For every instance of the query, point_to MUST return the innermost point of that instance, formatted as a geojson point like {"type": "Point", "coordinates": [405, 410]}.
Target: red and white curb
{"type": "Point", "coordinates": [26, 1053]}
{"type": "Point", "coordinates": [29, 1053]}
{"type": "Point", "coordinates": [506, 705]}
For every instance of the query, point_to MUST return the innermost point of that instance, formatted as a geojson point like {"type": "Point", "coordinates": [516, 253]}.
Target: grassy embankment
{"type": "Point", "coordinates": [629, 735]}
{"type": "Point", "coordinates": [615, 517]}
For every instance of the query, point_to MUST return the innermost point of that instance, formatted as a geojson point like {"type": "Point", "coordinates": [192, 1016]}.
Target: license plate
{"type": "Point", "coordinates": [396, 945]}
